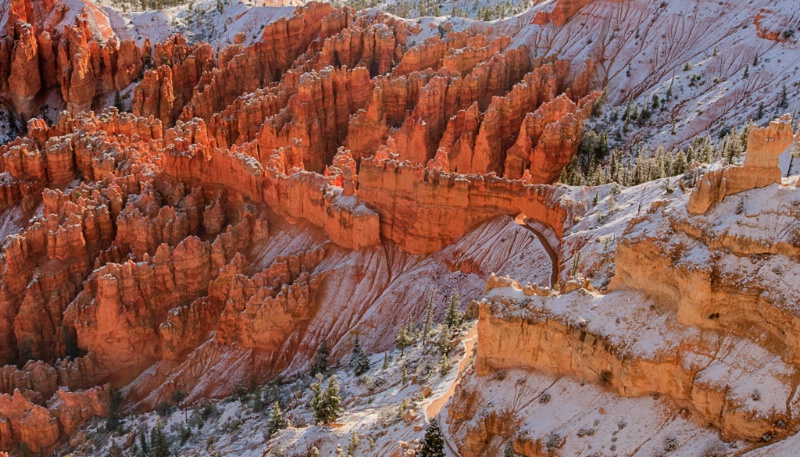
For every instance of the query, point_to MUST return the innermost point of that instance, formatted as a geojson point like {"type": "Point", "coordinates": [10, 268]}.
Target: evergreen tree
{"type": "Point", "coordinates": [276, 421]}
{"type": "Point", "coordinates": [326, 403]}
{"type": "Point", "coordinates": [576, 260]}
{"type": "Point", "coordinates": [320, 365]}
{"type": "Point", "coordinates": [509, 451]}
{"type": "Point", "coordinates": [359, 361]}
{"type": "Point", "coordinates": [353, 443]}
{"type": "Point", "coordinates": [118, 102]}
{"type": "Point", "coordinates": [746, 71]}
{"type": "Point", "coordinates": [403, 340]}
{"type": "Point", "coordinates": [158, 441]}
{"type": "Point", "coordinates": [404, 375]}
{"type": "Point", "coordinates": [452, 318]}
{"type": "Point", "coordinates": [784, 100]}
{"type": "Point", "coordinates": [444, 367]}
{"type": "Point", "coordinates": [144, 446]}
{"type": "Point", "coordinates": [669, 91]}
{"type": "Point", "coordinates": [443, 342]}
{"type": "Point", "coordinates": [314, 452]}
{"type": "Point", "coordinates": [433, 443]}
{"type": "Point", "coordinates": [114, 405]}
{"type": "Point", "coordinates": [679, 164]}
{"type": "Point", "coordinates": [385, 361]}
{"type": "Point", "coordinates": [426, 329]}
{"type": "Point", "coordinates": [184, 432]}
{"type": "Point", "coordinates": [258, 401]}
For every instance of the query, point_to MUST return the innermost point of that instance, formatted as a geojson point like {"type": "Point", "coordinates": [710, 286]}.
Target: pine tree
{"type": "Point", "coordinates": [118, 102]}
{"type": "Point", "coordinates": [669, 91]}
{"type": "Point", "coordinates": [184, 433]}
{"type": "Point", "coordinates": [784, 100]}
{"type": "Point", "coordinates": [443, 342]}
{"type": "Point", "coordinates": [314, 452]}
{"type": "Point", "coordinates": [433, 443]}
{"type": "Point", "coordinates": [115, 402]}
{"type": "Point", "coordinates": [403, 340]}
{"type": "Point", "coordinates": [353, 443]}
{"type": "Point", "coordinates": [426, 329]}
{"type": "Point", "coordinates": [404, 375]}
{"type": "Point", "coordinates": [746, 71]}
{"type": "Point", "coordinates": [326, 403]}
{"type": "Point", "coordinates": [353, 355]}
{"type": "Point", "coordinates": [385, 361]}
{"type": "Point", "coordinates": [359, 361]}
{"type": "Point", "coordinates": [452, 318]}
{"type": "Point", "coordinates": [158, 441]}
{"type": "Point", "coordinates": [320, 365]}
{"type": "Point", "coordinates": [444, 367]}
{"type": "Point", "coordinates": [276, 421]}
{"type": "Point", "coordinates": [143, 444]}
{"type": "Point", "coordinates": [576, 260]}
{"type": "Point", "coordinates": [258, 401]}
{"type": "Point", "coordinates": [679, 164]}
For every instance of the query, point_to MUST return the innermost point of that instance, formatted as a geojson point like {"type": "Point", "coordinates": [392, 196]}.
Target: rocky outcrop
{"type": "Point", "coordinates": [166, 89]}
{"type": "Point", "coordinates": [760, 169]}
{"type": "Point", "coordinates": [519, 330]}
{"type": "Point", "coordinates": [24, 81]}
{"type": "Point", "coordinates": [424, 210]}
{"type": "Point", "coordinates": [315, 121]}
{"type": "Point", "coordinates": [72, 60]}
{"type": "Point", "coordinates": [561, 12]}
{"type": "Point", "coordinates": [547, 141]}
{"type": "Point", "coordinates": [774, 25]}
{"type": "Point", "coordinates": [39, 428]}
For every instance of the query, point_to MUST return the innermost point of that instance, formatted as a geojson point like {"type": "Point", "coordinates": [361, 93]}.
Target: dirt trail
{"type": "Point", "coordinates": [436, 404]}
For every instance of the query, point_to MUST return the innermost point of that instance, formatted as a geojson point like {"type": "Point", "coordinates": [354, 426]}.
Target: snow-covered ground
{"type": "Point", "coordinates": [207, 20]}
{"type": "Point", "coordinates": [575, 418]}
{"type": "Point", "coordinates": [383, 408]}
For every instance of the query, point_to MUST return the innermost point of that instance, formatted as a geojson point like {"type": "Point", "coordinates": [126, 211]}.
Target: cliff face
{"type": "Point", "coordinates": [573, 344]}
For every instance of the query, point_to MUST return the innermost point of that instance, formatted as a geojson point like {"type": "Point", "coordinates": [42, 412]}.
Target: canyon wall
{"type": "Point", "coordinates": [520, 331]}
